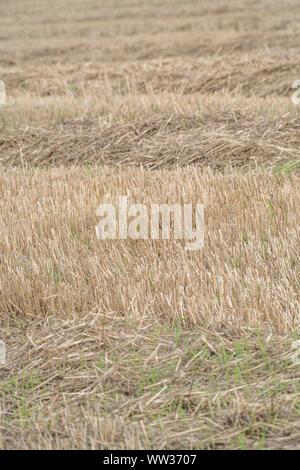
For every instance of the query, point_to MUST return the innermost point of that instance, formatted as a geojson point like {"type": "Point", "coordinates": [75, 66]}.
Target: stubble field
{"type": "Point", "coordinates": [140, 344]}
